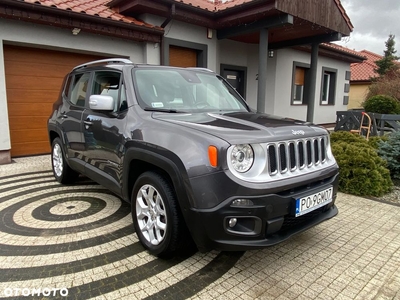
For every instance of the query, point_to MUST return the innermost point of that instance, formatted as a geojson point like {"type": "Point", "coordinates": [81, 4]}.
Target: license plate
{"type": "Point", "coordinates": [311, 202]}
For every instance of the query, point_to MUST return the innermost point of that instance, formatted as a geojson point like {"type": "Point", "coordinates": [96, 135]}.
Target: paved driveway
{"type": "Point", "coordinates": [77, 241]}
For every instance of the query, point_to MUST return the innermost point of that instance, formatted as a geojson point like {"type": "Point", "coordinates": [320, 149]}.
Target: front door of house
{"type": "Point", "coordinates": [236, 77]}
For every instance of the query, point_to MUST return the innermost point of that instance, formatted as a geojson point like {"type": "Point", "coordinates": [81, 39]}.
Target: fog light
{"type": "Point", "coordinates": [232, 222]}
{"type": "Point", "coordinates": [242, 202]}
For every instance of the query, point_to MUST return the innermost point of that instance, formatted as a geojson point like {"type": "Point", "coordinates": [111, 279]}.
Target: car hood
{"type": "Point", "coordinates": [243, 127]}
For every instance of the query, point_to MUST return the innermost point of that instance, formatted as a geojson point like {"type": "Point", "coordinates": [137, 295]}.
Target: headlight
{"type": "Point", "coordinates": [242, 157]}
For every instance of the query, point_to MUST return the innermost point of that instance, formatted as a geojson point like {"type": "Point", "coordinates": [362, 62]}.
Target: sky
{"type": "Point", "coordinates": [373, 21]}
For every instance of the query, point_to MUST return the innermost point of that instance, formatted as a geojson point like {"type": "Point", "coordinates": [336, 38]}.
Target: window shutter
{"type": "Point", "coordinates": [299, 77]}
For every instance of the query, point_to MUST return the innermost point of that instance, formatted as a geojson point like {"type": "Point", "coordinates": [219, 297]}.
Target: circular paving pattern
{"type": "Point", "coordinates": [80, 237]}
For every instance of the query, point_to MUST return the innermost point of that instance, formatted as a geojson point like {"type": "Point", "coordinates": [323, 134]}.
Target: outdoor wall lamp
{"type": "Point", "coordinates": [270, 53]}
{"type": "Point", "coordinates": [209, 33]}
{"type": "Point", "coordinates": [75, 31]}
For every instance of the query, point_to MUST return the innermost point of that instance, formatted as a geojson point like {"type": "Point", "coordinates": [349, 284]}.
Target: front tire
{"type": "Point", "coordinates": [61, 170]}
{"type": "Point", "coordinates": [156, 216]}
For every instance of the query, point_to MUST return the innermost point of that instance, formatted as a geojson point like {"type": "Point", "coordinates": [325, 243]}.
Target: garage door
{"type": "Point", "coordinates": [182, 57]}
{"type": "Point", "coordinates": [33, 80]}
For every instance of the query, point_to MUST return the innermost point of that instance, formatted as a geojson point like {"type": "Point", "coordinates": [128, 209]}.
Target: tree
{"type": "Point", "coordinates": [387, 63]}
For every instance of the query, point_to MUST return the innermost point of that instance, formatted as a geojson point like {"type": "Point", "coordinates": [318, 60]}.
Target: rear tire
{"type": "Point", "coordinates": [156, 215]}
{"type": "Point", "coordinates": [61, 170]}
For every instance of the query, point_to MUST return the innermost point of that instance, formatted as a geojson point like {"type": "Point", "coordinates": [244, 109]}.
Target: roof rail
{"type": "Point", "coordinates": [200, 69]}
{"type": "Point", "coordinates": [101, 61]}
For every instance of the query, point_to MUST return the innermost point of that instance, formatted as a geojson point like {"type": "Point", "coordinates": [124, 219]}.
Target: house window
{"type": "Point", "coordinates": [325, 87]}
{"type": "Point", "coordinates": [298, 86]}
{"type": "Point", "coordinates": [300, 71]}
{"type": "Point", "coordinates": [328, 87]}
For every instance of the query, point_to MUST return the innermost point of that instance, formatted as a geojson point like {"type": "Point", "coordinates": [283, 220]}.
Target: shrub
{"type": "Point", "coordinates": [390, 151]}
{"type": "Point", "coordinates": [382, 104]}
{"type": "Point", "coordinates": [362, 171]}
{"type": "Point", "coordinates": [345, 136]}
{"type": "Point", "coordinates": [374, 141]}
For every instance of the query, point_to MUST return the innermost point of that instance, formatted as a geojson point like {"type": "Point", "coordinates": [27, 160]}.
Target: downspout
{"type": "Point", "coordinates": [163, 25]}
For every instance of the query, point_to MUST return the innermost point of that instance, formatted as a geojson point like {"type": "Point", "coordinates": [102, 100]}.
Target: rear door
{"type": "Point", "coordinates": [70, 117]}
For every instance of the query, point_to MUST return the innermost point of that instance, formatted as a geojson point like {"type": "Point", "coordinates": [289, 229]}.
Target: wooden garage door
{"type": "Point", "coordinates": [182, 57]}
{"type": "Point", "coordinates": [33, 81]}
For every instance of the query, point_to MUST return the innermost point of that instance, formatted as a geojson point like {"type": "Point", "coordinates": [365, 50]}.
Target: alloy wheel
{"type": "Point", "coordinates": [151, 214]}
{"type": "Point", "coordinates": [58, 160]}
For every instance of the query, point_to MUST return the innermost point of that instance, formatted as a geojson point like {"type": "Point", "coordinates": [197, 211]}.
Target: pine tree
{"type": "Point", "coordinates": [387, 63]}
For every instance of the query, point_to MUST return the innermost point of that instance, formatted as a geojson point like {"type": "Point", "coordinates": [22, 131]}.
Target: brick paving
{"type": "Point", "coordinates": [80, 239]}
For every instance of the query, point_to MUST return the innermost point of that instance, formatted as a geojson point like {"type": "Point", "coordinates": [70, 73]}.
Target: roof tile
{"type": "Point", "coordinates": [219, 5]}
{"type": "Point", "coordinates": [214, 5]}
{"type": "Point", "coordinates": [203, 4]}
{"type": "Point", "coordinates": [365, 70]}
{"type": "Point", "coordinates": [344, 49]}
{"type": "Point", "coordinates": [91, 7]}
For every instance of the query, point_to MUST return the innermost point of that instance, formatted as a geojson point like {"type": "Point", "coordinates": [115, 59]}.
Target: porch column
{"type": "Point", "coordinates": [312, 83]}
{"type": "Point", "coordinates": [262, 70]}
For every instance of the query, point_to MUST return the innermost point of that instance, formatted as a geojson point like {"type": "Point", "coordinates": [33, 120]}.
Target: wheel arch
{"type": "Point", "coordinates": [139, 160]}
{"type": "Point", "coordinates": [53, 135]}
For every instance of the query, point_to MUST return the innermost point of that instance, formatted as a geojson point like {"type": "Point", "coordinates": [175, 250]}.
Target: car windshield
{"type": "Point", "coordinates": [180, 90]}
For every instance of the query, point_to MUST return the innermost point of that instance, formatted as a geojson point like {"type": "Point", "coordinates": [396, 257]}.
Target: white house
{"type": "Point", "coordinates": [275, 52]}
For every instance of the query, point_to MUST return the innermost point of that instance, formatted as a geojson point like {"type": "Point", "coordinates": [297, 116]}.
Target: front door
{"type": "Point", "coordinates": [103, 132]}
{"type": "Point", "coordinates": [236, 76]}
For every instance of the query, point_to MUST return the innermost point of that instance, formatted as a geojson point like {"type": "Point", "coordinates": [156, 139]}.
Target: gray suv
{"type": "Point", "coordinates": [190, 156]}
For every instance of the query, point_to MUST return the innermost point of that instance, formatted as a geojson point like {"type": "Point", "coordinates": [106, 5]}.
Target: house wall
{"type": "Point", "coordinates": [357, 95]}
{"type": "Point", "coordinates": [279, 73]}
{"type": "Point", "coordinates": [33, 35]}
{"type": "Point", "coordinates": [237, 54]}
{"type": "Point", "coordinates": [284, 70]}
{"type": "Point", "coordinates": [246, 55]}
{"type": "Point", "coordinates": [188, 33]}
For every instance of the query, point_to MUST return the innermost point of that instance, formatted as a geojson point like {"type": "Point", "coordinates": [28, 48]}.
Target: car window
{"type": "Point", "coordinates": [124, 102]}
{"type": "Point", "coordinates": [108, 83]}
{"type": "Point", "coordinates": [185, 90]}
{"type": "Point", "coordinates": [67, 86]}
{"type": "Point", "coordinates": [79, 89]}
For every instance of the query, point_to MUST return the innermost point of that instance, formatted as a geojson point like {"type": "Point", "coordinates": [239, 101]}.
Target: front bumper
{"type": "Point", "coordinates": [270, 220]}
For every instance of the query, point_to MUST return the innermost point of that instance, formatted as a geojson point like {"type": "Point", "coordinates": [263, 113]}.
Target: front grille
{"type": "Point", "coordinates": [273, 166]}
{"type": "Point", "coordinates": [295, 155]}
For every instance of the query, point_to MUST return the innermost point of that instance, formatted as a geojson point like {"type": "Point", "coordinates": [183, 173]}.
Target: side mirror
{"type": "Point", "coordinates": [101, 102]}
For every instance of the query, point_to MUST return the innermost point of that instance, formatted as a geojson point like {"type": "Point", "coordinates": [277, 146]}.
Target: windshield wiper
{"type": "Point", "coordinates": [167, 110]}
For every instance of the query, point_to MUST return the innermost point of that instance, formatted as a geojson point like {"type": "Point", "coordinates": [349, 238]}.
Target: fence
{"type": "Point", "coordinates": [381, 123]}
